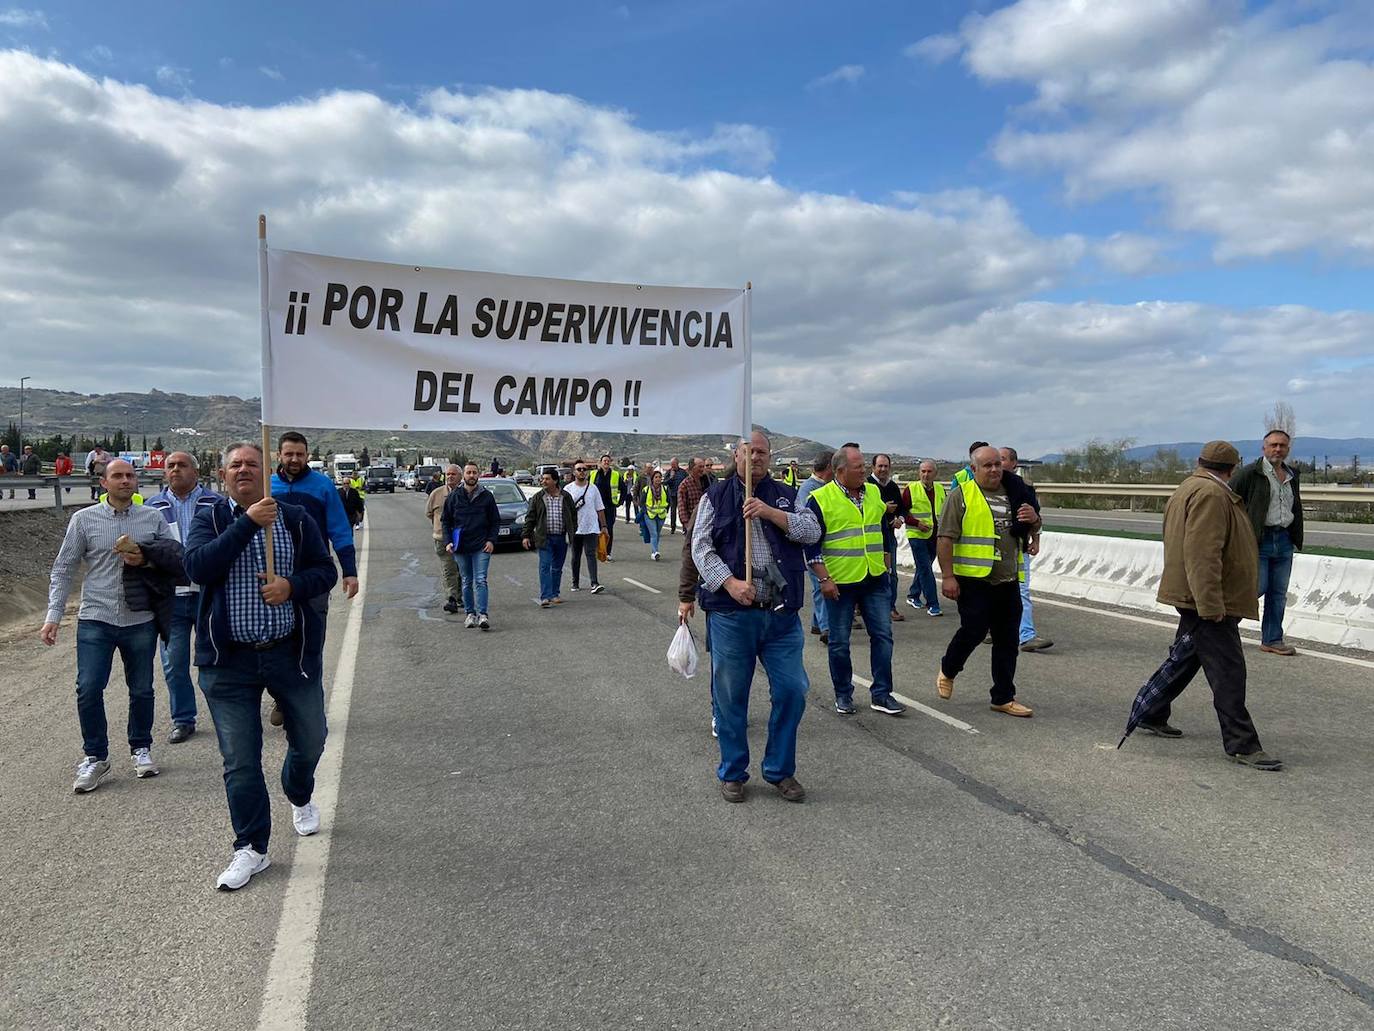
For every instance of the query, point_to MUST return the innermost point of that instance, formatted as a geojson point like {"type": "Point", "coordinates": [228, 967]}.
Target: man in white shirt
{"type": "Point", "coordinates": [591, 523]}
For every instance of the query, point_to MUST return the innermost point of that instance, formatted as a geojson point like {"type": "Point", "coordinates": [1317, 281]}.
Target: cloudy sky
{"type": "Point", "coordinates": [1039, 221]}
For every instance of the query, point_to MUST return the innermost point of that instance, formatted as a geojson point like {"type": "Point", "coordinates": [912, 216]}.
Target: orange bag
{"type": "Point", "coordinates": [601, 546]}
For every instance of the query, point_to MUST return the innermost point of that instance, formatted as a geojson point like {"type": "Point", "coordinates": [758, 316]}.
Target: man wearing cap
{"type": "Point", "coordinates": [1211, 566]}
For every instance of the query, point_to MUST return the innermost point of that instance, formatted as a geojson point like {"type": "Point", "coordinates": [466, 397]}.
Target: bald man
{"type": "Point", "coordinates": [179, 501]}
{"type": "Point", "coordinates": [107, 624]}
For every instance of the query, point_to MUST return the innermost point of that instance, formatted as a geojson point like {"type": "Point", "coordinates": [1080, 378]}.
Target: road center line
{"type": "Point", "coordinates": [1040, 599]}
{"type": "Point", "coordinates": [643, 587]}
{"type": "Point", "coordinates": [967, 728]}
{"type": "Point", "coordinates": [286, 993]}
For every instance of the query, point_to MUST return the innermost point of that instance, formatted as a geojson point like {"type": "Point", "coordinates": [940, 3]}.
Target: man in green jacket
{"type": "Point", "coordinates": [550, 523]}
{"type": "Point", "coordinates": [1269, 489]}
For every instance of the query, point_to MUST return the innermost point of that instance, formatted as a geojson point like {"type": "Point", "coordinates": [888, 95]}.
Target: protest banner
{"type": "Point", "coordinates": [368, 345]}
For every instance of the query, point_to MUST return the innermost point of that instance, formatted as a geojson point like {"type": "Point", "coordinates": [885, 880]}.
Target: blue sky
{"type": "Point", "coordinates": [1170, 175]}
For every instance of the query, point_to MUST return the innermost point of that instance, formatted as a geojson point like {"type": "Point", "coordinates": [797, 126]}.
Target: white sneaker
{"type": "Point", "coordinates": [471, 621]}
{"type": "Point", "coordinates": [90, 771]}
{"type": "Point", "coordinates": [143, 764]}
{"type": "Point", "coordinates": [241, 869]}
{"type": "Point", "coordinates": [306, 818]}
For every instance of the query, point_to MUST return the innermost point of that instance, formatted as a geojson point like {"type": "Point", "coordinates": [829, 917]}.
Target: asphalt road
{"type": "Point", "coordinates": [1331, 535]}
{"type": "Point", "coordinates": [528, 835]}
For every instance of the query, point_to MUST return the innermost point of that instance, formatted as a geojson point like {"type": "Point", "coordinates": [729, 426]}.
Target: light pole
{"type": "Point", "coordinates": [22, 381]}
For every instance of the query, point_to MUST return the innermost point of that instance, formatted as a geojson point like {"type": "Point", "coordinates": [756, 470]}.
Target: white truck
{"type": "Point", "coordinates": [345, 468]}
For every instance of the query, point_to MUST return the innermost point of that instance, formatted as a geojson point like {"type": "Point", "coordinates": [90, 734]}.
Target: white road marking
{"type": "Point", "coordinates": [643, 587]}
{"type": "Point", "coordinates": [287, 989]}
{"type": "Point", "coordinates": [1148, 621]}
{"type": "Point", "coordinates": [967, 728]}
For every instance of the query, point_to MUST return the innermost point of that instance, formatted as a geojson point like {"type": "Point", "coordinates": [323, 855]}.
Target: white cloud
{"type": "Point", "coordinates": [126, 261]}
{"type": "Point", "coordinates": [172, 76]}
{"type": "Point", "coordinates": [19, 18]}
{"type": "Point", "coordinates": [271, 72]}
{"type": "Point", "coordinates": [849, 73]}
{"type": "Point", "coordinates": [1254, 129]}
{"type": "Point", "coordinates": [1130, 253]}
{"type": "Point", "coordinates": [935, 49]}
{"type": "Point", "coordinates": [100, 54]}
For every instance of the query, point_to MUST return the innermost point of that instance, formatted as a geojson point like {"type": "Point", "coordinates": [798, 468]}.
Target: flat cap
{"type": "Point", "coordinates": [1219, 451]}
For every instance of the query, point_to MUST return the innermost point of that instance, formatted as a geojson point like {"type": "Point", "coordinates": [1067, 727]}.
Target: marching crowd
{"type": "Point", "coordinates": [190, 563]}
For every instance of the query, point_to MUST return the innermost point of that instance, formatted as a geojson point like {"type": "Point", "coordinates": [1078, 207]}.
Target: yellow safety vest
{"type": "Point", "coordinates": [656, 507]}
{"type": "Point", "coordinates": [975, 552]}
{"type": "Point", "coordinates": [137, 499]}
{"type": "Point", "coordinates": [963, 476]}
{"type": "Point", "coordinates": [358, 485]}
{"type": "Point", "coordinates": [920, 509]}
{"type": "Point", "coordinates": [789, 477]}
{"type": "Point", "coordinates": [852, 547]}
{"type": "Point", "coordinates": [615, 484]}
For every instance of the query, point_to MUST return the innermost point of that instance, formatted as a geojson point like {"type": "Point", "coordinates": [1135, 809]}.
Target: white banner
{"type": "Point", "coordinates": [367, 345]}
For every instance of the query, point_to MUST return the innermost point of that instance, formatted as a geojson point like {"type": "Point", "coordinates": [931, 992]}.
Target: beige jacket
{"type": "Point", "coordinates": [434, 509]}
{"type": "Point", "coordinates": [1211, 560]}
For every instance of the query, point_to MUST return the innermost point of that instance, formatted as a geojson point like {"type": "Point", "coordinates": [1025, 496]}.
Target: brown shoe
{"type": "Point", "coordinates": [1282, 648]}
{"type": "Point", "coordinates": [944, 686]}
{"type": "Point", "coordinates": [825, 637]}
{"type": "Point", "coordinates": [1015, 708]}
{"type": "Point", "coordinates": [897, 617]}
{"type": "Point", "coordinates": [789, 788]}
{"type": "Point", "coordinates": [732, 790]}
{"type": "Point", "coordinates": [276, 717]}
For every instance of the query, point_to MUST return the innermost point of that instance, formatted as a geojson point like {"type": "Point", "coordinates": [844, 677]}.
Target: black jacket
{"type": "Point", "coordinates": [152, 587]}
{"type": "Point", "coordinates": [477, 516]}
{"type": "Point", "coordinates": [1252, 484]}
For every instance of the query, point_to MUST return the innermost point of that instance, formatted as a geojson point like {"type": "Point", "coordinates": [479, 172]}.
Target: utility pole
{"type": "Point", "coordinates": [22, 381]}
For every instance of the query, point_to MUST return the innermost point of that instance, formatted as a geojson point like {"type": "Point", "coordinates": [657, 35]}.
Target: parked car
{"type": "Point", "coordinates": [523, 476]}
{"type": "Point", "coordinates": [512, 504]}
{"type": "Point", "coordinates": [425, 473]}
{"type": "Point", "coordinates": [563, 474]}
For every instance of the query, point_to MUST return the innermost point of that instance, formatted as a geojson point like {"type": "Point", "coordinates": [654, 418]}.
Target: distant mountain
{"type": "Point", "coordinates": [209, 422]}
{"type": "Point", "coordinates": [1337, 451]}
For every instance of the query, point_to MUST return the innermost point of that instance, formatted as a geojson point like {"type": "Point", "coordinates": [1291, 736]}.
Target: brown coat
{"type": "Point", "coordinates": [1211, 560]}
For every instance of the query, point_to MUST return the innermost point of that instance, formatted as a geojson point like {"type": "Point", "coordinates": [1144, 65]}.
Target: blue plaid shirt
{"type": "Point", "coordinates": [252, 620]}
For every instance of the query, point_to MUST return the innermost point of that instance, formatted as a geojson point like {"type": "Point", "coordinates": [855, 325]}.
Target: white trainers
{"type": "Point", "coordinates": [655, 556]}
{"type": "Point", "coordinates": [143, 764]}
{"type": "Point", "coordinates": [306, 818]}
{"type": "Point", "coordinates": [241, 869]}
{"type": "Point", "coordinates": [471, 621]}
{"type": "Point", "coordinates": [90, 771]}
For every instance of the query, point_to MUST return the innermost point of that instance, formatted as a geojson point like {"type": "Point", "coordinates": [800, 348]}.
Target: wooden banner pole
{"type": "Point", "coordinates": [748, 440]}
{"type": "Point", "coordinates": [266, 430]}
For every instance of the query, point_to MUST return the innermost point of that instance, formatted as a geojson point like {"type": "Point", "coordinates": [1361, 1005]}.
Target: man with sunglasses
{"type": "Point", "coordinates": [590, 509]}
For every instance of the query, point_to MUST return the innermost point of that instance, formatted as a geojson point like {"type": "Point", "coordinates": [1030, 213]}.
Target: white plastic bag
{"type": "Point", "coordinates": [682, 653]}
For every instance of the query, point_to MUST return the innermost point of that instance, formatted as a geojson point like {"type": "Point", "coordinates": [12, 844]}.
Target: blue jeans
{"type": "Point", "coordinates": [233, 693]}
{"type": "Point", "coordinates": [1275, 570]}
{"type": "Point", "coordinates": [176, 661]}
{"type": "Point", "coordinates": [472, 566]}
{"type": "Point", "coordinates": [818, 619]}
{"type": "Point", "coordinates": [739, 639]}
{"type": "Point", "coordinates": [551, 558]}
{"type": "Point", "coordinates": [655, 525]}
{"type": "Point", "coordinates": [870, 597]}
{"type": "Point", "coordinates": [923, 590]}
{"type": "Point", "coordinates": [1027, 617]}
{"type": "Point", "coordinates": [96, 643]}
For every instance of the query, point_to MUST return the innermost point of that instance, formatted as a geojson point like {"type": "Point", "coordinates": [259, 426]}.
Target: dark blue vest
{"type": "Point", "coordinates": [727, 536]}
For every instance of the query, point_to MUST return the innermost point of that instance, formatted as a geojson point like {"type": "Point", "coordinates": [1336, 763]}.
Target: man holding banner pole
{"type": "Point", "coordinates": [751, 616]}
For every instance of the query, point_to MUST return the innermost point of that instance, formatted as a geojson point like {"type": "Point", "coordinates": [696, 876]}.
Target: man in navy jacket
{"type": "Point", "coordinates": [257, 632]}
{"type": "Point", "coordinates": [471, 510]}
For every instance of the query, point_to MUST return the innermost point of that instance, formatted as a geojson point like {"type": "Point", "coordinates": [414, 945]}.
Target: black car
{"type": "Point", "coordinates": [380, 478]}
{"type": "Point", "coordinates": [512, 504]}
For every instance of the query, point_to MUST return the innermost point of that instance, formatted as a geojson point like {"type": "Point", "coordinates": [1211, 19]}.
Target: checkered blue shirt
{"type": "Point", "coordinates": [252, 620]}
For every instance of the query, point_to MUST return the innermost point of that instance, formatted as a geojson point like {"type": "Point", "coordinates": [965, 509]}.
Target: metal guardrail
{"type": "Point", "coordinates": [58, 484]}
{"type": "Point", "coordinates": [1163, 490]}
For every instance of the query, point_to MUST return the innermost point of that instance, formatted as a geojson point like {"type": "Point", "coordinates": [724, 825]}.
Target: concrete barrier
{"type": "Point", "coordinates": [1330, 600]}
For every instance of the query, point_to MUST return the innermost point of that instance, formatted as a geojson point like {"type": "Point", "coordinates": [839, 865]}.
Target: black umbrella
{"type": "Point", "coordinates": [1165, 684]}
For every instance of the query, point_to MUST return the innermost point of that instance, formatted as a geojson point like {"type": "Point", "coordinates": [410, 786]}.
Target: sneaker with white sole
{"type": "Point", "coordinates": [913, 603]}
{"type": "Point", "coordinates": [306, 818]}
{"type": "Point", "coordinates": [143, 764]}
{"type": "Point", "coordinates": [597, 588]}
{"type": "Point", "coordinates": [90, 771]}
{"type": "Point", "coordinates": [655, 556]}
{"type": "Point", "coordinates": [241, 869]}
{"type": "Point", "coordinates": [483, 622]}
{"type": "Point", "coordinates": [471, 621]}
